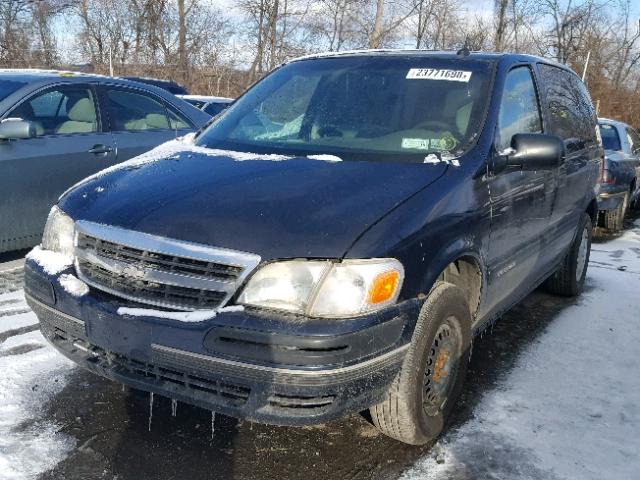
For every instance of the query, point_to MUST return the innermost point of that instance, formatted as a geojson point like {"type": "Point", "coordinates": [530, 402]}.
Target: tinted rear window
{"type": "Point", "coordinates": [7, 87]}
{"type": "Point", "coordinates": [610, 137]}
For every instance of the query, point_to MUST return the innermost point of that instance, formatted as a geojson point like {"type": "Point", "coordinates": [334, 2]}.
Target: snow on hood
{"type": "Point", "coordinates": [185, 144]}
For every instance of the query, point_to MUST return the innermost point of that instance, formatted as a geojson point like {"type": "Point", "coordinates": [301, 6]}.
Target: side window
{"type": "Point", "coordinates": [572, 116]}
{"type": "Point", "coordinates": [519, 109]}
{"type": "Point", "coordinates": [133, 111]}
{"type": "Point", "coordinates": [176, 120]}
{"type": "Point", "coordinates": [610, 137]}
{"type": "Point", "coordinates": [63, 110]}
{"type": "Point", "coordinates": [215, 108]}
{"type": "Point", "coordinates": [634, 140]}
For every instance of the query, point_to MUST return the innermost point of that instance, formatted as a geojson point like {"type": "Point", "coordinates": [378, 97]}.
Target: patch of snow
{"type": "Point", "coordinates": [51, 262]}
{"type": "Point", "coordinates": [231, 308]}
{"type": "Point", "coordinates": [188, 138]}
{"type": "Point", "coordinates": [195, 316]}
{"type": "Point", "coordinates": [325, 158]}
{"type": "Point", "coordinates": [14, 312]}
{"type": "Point", "coordinates": [73, 285]}
{"type": "Point", "coordinates": [30, 446]}
{"type": "Point", "coordinates": [448, 159]}
{"type": "Point", "coordinates": [569, 408]}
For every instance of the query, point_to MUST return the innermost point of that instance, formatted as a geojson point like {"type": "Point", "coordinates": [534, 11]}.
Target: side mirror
{"type": "Point", "coordinates": [531, 151]}
{"type": "Point", "coordinates": [15, 128]}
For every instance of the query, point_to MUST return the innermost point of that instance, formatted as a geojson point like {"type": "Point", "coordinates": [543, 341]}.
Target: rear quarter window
{"type": "Point", "coordinates": [571, 113]}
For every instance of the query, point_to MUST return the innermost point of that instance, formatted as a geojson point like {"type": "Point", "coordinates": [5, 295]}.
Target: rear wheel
{"type": "Point", "coordinates": [568, 280]}
{"type": "Point", "coordinates": [421, 397]}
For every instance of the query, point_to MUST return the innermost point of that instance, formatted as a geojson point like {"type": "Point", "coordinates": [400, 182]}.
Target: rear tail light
{"type": "Point", "coordinates": [606, 176]}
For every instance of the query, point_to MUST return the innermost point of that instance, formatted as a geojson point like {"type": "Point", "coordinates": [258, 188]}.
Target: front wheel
{"type": "Point", "coordinates": [568, 280]}
{"type": "Point", "coordinates": [421, 397]}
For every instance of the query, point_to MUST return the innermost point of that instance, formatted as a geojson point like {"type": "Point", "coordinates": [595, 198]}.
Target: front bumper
{"type": "Point", "coordinates": [247, 365]}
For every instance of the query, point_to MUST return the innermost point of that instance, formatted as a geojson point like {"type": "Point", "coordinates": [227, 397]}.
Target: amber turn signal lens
{"type": "Point", "coordinates": [383, 287]}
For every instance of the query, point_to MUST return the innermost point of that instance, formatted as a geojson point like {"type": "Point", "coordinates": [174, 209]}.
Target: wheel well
{"type": "Point", "coordinates": [465, 273]}
{"type": "Point", "coordinates": [592, 210]}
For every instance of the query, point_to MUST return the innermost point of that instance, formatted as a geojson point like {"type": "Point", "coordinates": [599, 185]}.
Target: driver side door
{"type": "Point", "coordinates": [521, 201]}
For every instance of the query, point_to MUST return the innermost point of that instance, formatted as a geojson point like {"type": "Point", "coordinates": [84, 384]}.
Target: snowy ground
{"type": "Point", "coordinates": [552, 394]}
{"type": "Point", "coordinates": [31, 373]}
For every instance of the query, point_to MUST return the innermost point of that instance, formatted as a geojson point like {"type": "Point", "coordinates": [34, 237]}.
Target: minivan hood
{"type": "Point", "coordinates": [277, 209]}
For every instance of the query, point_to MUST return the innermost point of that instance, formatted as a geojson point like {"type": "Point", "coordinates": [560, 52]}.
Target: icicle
{"type": "Point", "coordinates": [150, 409]}
{"type": "Point", "coordinates": [174, 407]}
{"type": "Point", "coordinates": [123, 387]}
{"type": "Point", "coordinates": [213, 420]}
{"type": "Point", "coordinates": [251, 427]}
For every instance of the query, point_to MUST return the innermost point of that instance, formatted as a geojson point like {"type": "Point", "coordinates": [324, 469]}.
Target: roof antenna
{"type": "Point", "coordinates": [463, 52]}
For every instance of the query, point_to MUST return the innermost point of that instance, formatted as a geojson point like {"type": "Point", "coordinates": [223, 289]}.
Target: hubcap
{"type": "Point", "coordinates": [581, 261]}
{"type": "Point", "coordinates": [441, 369]}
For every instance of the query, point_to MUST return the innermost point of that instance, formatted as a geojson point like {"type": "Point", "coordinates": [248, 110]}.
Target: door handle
{"type": "Point", "coordinates": [100, 149]}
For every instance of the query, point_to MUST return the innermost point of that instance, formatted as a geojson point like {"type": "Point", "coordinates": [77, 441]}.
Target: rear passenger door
{"type": "Point", "coordinates": [69, 146]}
{"type": "Point", "coordinates": [139, 120]}
{"type": "Point", "coordinates": [571, 116]}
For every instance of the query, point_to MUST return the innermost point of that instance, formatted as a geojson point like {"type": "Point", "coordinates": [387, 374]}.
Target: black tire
{"type": "Point", "coordinates": [408, 411]}
{"type": "Point", "coordinates": [614, 219]}
{"type": "Point", "coordinates": [568, 280]}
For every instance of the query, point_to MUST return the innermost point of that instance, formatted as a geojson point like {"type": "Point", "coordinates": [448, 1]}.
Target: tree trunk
{"type": "Point", "coordinates": [375, 38]}
{"type": "Point", "coordinates": [182, 42]}
{"type": "Point", "coordinates": [501, 27]}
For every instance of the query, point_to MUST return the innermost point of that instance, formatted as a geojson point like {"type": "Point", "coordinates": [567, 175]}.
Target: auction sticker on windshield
{"type": "Point", "coordinates": [439, 74]}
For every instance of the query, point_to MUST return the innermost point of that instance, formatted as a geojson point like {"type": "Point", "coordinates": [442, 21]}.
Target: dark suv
{"type": "Point", "coordinates": [333, 241]}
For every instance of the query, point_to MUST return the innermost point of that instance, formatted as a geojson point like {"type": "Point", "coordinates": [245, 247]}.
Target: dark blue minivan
{"type": "Point", "coordinates": [332, 242]}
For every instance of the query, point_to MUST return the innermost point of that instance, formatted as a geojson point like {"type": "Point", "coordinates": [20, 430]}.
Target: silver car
{"type": "Point", "coordinates": [57, 128]}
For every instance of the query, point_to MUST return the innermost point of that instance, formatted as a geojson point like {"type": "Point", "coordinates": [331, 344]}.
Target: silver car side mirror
{"type": "Point", "coordinates": [16, 128]}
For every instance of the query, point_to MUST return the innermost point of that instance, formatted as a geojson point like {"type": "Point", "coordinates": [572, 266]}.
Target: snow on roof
{"type": "Point", "coordinates": [206, 98]}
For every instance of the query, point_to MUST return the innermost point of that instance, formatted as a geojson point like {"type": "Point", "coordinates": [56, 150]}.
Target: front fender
{"type": "Point", "coordinates": [446, 221]}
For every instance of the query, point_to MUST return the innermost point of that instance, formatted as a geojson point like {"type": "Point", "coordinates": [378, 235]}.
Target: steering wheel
{"type": "Point", "coordinates": [442, 127]}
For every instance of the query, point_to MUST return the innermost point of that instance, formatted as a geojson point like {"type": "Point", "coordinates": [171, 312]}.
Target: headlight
{"type": "Point", "coordinates": [58, 233]}
{"type": "Point", "coordinates": [326, 289]}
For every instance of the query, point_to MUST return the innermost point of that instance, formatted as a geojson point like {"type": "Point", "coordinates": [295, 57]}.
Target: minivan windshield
{"type": "Point", "coordinates": [7, 87]}
{"type": "Point", "coordinates": [386, 108]}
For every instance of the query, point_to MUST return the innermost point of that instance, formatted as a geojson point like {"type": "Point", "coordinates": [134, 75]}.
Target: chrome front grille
{"type": "Point", "coordinates": [159, 271]}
